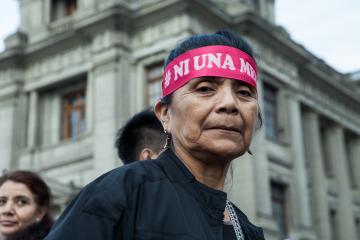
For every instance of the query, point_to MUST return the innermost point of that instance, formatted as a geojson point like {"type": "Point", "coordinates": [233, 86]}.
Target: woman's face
{"type": "Point", "coordinates": [18, 208]}
{"type": "Point", "coordinates": [212, 118]}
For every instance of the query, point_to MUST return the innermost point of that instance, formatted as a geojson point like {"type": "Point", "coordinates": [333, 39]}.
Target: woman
{"type": "Point", "coordinates": [209, 111]}
{"type": "Point", "coordinates": [24, 206]}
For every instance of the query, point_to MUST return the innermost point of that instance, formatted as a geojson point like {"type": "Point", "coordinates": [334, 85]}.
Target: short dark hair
{"type": "Point", "coordinates": [143, 130]}
{"type": "Point", "coordinates": [223, 37]}
{"type": "Point", "coordinates": [37, 186]}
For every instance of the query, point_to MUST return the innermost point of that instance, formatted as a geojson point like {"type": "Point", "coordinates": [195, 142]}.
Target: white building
{"type": "Point", "coordinates": [77, 69]}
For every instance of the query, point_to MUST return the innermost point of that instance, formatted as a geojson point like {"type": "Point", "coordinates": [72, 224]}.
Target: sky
{"type": "Point", "coordinates": [330, 29]}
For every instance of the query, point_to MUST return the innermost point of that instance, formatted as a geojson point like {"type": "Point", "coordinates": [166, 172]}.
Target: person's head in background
{"type": "Point", "coordinates": [142, 137]}
{"type": "Point", "coordinates": [24, 202]}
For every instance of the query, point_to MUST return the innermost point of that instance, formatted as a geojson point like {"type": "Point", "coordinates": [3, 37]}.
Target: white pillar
{"type": "Point", "coordinates": [7, 134]}
{"type": "Point", "coordinates": [298, 188]}
{"type": "Point", "coordinates": [318, 191]}
{"type": "Point", "coordinates": [33, 118]}
{"type": "Point", "coordinates": [90, 101]}
{"type": "Point", "coordinates": [335, 138]}
{"type": "Point", "coordinates": [105, 88]}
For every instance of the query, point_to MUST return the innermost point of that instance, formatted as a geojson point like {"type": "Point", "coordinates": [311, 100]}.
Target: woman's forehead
{"type": "Point", "coordinates": [219, 80]}
{"type": "Point", "coordinates": [14, 188]}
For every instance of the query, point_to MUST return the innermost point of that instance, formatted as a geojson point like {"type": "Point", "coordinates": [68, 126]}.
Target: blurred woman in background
{"type": "Point", "coordinates": [24, 206]}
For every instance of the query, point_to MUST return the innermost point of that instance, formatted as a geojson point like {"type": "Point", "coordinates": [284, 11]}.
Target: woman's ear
{"type": "Point", "coordinates": [161, 111]}
{"type": "Point", "coordinates": [41, 211]}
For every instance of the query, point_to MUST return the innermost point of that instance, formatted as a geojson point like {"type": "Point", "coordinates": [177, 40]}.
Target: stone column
{"type": "Point", "coordinates": [90, 101]}
{"type": "Point", "coordinates": [298, 187]}
{"type": "Point", "coordinates": [105, 88]}
{"type": "Point", "coordinates": [109, 79]}
{"type": "Point", "coordinates": [7, 134]}
{"type": "Point", "coordinates": [33, 119]}
{"type": "Point", "coordinates": [336, 141]}
{"type": "Point", "coordinates": [262, 8]}
{"type": "Point", "coordinates": [318, 191]}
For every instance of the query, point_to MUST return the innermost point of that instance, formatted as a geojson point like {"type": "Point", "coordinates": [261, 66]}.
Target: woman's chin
{"type": "Point", "coordinates": [222, 152]}
{"type": "Point", "coordinates": [8, 231]}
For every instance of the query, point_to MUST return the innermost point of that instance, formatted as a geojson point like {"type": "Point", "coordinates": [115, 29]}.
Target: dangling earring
{"type": "Point", "coordinates": [168, 139]}
{"type": "Point", "coordinates": [249, 152]}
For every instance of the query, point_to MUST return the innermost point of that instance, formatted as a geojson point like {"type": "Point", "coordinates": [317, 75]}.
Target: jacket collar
{"type": "Point", "coordinates": [210, 200]}
{"type": "Point", "coordinates": [174, 168]}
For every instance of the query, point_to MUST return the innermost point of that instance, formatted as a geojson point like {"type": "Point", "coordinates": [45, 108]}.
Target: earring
{"type": "Point", "coordinates": [249, 152]}
{"type": "Point", "coordinates": [37, 220]}
{"type": "Point", "coordinates": [168, 139]}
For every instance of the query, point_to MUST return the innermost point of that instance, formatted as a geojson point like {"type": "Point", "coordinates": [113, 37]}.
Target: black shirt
{"type": "Point", "coordinates": [228, 232]}
{"type": "Point", "coordinates": [157, 199]}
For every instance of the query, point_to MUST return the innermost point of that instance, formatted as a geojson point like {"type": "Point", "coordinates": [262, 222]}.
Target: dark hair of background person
{"type": "Point", "coordinates": [143, 130]}
{"type": "Point", "coordinates": [37, 186]}
{"type": "Point", "coordinates": [223, 37]}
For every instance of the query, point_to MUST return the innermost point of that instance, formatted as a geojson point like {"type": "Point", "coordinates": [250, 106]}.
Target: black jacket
{"type": "Point", "coordinates": [35, 231]}
{"type": "Point", "coordinates": [157, 199]}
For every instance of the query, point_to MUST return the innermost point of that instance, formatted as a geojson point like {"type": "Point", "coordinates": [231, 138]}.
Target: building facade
{"type": "Point", "coordinates": [77, 69]}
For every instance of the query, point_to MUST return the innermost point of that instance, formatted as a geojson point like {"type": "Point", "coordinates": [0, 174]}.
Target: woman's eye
{"type": "Point", "coordinates": [246, 93]}
{"type": "Point", "coordinates": [21, 202]}
{"type": "Point", "coordinates": [2, 202]}
{"type": "Point", "coordinates": [204, 89]}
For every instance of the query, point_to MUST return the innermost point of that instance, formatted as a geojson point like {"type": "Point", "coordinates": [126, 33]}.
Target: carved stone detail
{"type": "Point", "coordinates": [56, 63]}
{"type": "Point", "coordinates": [329, 103]}
{"type": "Point", "coordinates": [266, 55]}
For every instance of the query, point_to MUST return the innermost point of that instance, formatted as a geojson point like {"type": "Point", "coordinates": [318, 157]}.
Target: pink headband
{"type": "Point", "coordinates": [217, 61]}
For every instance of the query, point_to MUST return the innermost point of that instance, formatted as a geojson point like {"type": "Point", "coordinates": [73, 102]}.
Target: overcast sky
{"type": "Point", "coordinates": [330, 29]}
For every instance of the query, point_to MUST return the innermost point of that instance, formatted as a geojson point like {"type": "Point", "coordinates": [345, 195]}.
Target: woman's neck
{"type": "Point", "coordinates": [210, 174]}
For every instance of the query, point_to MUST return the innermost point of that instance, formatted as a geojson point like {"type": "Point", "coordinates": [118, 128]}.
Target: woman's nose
{"type": "Point", "coordinates": [228, 102]}
{"type": "Point", "coordinates": [7, 209]}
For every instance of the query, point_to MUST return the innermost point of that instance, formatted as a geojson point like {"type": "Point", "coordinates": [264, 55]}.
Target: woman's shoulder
{"type": "Point", "coordinates": [109, 194]}
{"type": "Point", "coordinates": [105, 200]}
{"type": "Point", "coordinates": [133, 174]}
{"type": "Point", "coordinates": [125, 178]}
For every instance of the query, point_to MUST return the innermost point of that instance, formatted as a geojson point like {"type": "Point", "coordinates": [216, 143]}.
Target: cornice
{"type": "Point", "coordinates": [11, 58]}
{"type": "Point", "coordinates": [325, 103]}
{"type": "Point", "coordinates": [311, 72]}
{"type": "Point", "coordinates": [74, 31]}
{"type": "Point", "coordinates": [252, 24]}
{"type": "Point", "coordinates": [166, 9]}
{"type": "Point", "coordinates": [307, 64]}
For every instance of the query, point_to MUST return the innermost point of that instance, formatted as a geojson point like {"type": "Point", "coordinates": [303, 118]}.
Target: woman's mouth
{"type": "Point", "coordinates": [227, 129]}
{"type": "Point", "coordinates": [7, 223]}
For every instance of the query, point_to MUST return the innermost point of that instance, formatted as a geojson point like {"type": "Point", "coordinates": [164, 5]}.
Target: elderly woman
{"type": "Point", "coordinates": [209, 111]}
{"type": "Point", "coordinates": [24, 206]}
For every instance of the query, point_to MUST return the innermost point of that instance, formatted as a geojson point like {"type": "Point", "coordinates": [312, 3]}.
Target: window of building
{"type": "Point", "coordinates": [62, 111]}
{"type": "Point", "coordinates": [351, 158]}
{"type": "Point", "coordinates": [73, 114]}
{"type": "Point", "coordinates": [333, 225]}
{"type": "Point", "coordinates": [154, 75]}
{"type": "Point", "coordinates": [357, 225]}
{"type": "Point", "coordinates": [62, 8]}
{"type": "Point", "coordinates": [279, 212]}
{"type": "Point", "coordinates": [328, 166]}
{"type": "Point", "coordinates": [270, 108]}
